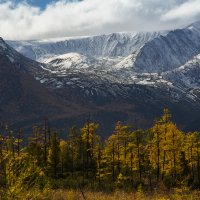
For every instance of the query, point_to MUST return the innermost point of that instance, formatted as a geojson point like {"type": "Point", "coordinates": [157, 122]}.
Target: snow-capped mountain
{"type": "Point", "coordinates": [18, 60]}
{"type": "Point", "coordinates": [140, 69]}
{"type": "Point", "coordinates": [112, 45]}
{"type": "Point", "coordinates": [187, 76]}
{"type": "Point", "coordinates": [23, 99]}
{"type": "Point", "coordinates": [166, 52]}
{"type": "Point", "coordinates": [122, 58]}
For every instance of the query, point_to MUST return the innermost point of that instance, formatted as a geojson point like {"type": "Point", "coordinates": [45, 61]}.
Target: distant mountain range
{"type": "Point", "coordinates": [120, 76]}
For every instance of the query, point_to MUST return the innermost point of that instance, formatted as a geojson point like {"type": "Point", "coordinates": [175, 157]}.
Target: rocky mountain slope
{"type": "Point", "coordinates": [24, 100]}
{"type": "Point", "coordinates": [167, 52]}
{"type": "Point", "coordinates": [112, 45]}
{"type": "Point", "coordinates": [95, 63]}
{"type": "Point", "coordinates": [122, 76]}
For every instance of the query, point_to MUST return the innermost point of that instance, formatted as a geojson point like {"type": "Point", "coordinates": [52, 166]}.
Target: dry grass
{"type": "Point", "coordinates": [178, 194]}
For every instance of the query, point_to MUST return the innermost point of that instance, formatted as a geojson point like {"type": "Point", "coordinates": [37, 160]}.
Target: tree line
{"type": "Point", "coordinates": [129, 158]}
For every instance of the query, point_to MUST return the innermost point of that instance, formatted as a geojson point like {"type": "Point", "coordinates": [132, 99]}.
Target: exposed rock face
{"type": "Point", "coordinates": [121, 76]}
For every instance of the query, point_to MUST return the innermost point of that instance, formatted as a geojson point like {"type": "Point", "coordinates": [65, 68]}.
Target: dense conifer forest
{"type": "Point", "coordinates": [129, 160]}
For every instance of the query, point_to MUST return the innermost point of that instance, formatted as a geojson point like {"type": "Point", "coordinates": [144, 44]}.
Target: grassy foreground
{"type": "Point", "coordinates": [176, 194]}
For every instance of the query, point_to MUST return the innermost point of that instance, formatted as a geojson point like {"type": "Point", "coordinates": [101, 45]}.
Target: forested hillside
{"type": "Point", "coordinates": [131, 158]}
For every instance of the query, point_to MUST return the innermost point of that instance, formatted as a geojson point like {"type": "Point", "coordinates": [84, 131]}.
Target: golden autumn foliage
{"type": "Point", "coordinates": [131, 159]}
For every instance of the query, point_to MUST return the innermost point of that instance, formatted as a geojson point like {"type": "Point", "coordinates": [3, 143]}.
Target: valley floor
{"type": "Point", "coordinates": [176, 194]}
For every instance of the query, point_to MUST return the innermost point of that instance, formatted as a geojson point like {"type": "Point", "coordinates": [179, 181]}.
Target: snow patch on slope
{"type": "Point", "coordinates": [186, 76]}
{"type": "Point", "coordinates": [111, 45]}
{"type": "Point", "coordinates": [67, 61]}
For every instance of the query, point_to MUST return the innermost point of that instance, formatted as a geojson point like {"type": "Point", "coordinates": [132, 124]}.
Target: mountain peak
{"type": "Point", "coordinates": [197, 23]}
{"type": "Point", "coordinates": [194, 26]}
{"type": "Point", "coordinates": [2, 44]}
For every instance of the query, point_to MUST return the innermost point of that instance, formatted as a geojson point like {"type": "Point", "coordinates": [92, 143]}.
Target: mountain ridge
{"type": "Point", "coordinates": [111, 76]}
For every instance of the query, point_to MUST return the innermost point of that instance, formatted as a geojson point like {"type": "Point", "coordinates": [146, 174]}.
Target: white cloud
{"type": "Point", "coordinates": [186, 11]}
{"type": "Point", "coordinates": [22, 21]}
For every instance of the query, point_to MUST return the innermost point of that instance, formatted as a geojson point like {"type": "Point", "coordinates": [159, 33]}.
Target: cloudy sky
{"type": "Point", "coordinates": [38, 19]}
